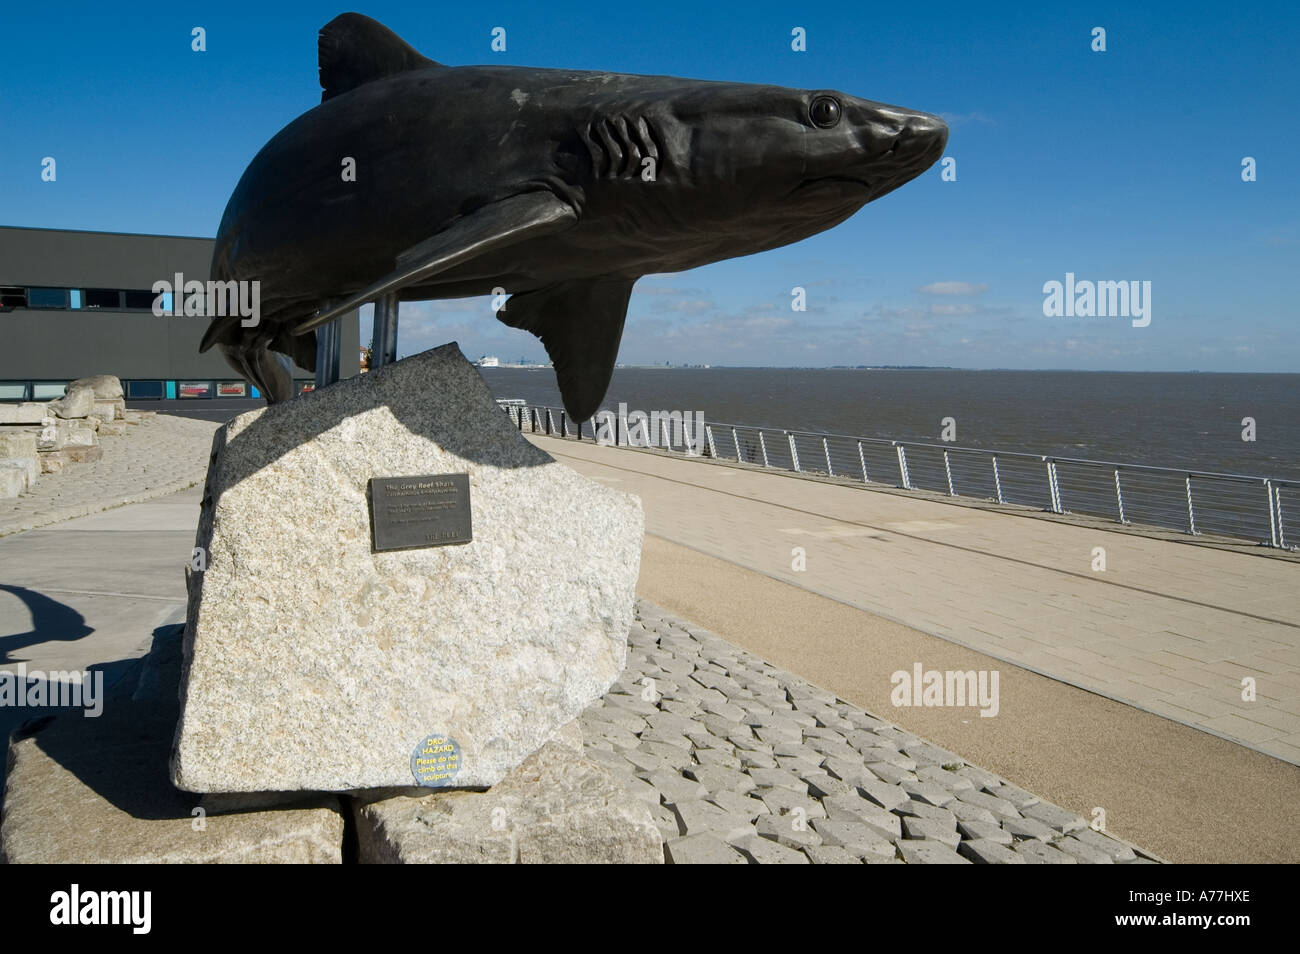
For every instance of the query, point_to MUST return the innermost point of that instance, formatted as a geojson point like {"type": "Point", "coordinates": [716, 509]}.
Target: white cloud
{"type": "Point", "coordinates": [953, 288]}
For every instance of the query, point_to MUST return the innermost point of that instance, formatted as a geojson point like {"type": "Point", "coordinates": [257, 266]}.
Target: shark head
{"type": "Point", "coordinates": [720, 169]}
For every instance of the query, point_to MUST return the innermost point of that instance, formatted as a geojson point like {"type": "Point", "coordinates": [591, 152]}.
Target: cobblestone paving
{"type": "Point", "coordinates": [742, 762]}
{"type": "Point", "coordinates": [156, 457]}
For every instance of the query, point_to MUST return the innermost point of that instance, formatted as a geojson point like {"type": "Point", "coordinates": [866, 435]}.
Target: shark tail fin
{"type": "Point", "coordinates": [354, 50]}
{"type": "Point", "coordinates": [581, 325]}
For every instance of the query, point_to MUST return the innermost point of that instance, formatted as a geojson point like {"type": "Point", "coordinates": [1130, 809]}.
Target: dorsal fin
{"type": "Point", "coordinates": [354, 50]}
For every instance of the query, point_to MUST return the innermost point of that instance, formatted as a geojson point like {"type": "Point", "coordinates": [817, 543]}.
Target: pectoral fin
{"type": "Point", "coordinates": [581, 325]}
{"type": "Point", "coordinates": [493, 226]}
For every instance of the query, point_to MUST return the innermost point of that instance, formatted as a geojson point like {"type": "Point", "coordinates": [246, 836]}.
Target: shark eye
{"type": "Point", "coordinates": [824, 112]}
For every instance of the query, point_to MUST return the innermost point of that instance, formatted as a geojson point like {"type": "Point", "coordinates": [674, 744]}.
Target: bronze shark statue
{"type": "Point", "coordinates": [560, 187]}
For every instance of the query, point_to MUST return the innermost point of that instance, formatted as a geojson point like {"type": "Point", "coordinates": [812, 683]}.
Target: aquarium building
{"type": "Point", "coordinates": [73, 304]}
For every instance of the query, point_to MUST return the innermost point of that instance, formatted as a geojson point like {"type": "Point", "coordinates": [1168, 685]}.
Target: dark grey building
{"type": "Point", "coordinates": [73, 304]}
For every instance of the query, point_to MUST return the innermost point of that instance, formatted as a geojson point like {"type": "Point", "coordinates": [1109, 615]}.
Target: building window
{"type": "Point", "coordinates": [144, 390]}
{"type": "Point", "coordinates": [48, 391]}
{"type": "Point", "coordinates": [74, 298]}
{"type": "Point", "coordinates": [136, 300]}
{"type": "Point", "coordinates": [104, 298]}
{"type": "Point", "coordinates": [12, 296]}
{"type": "Point", "coordinates": [47, 298]}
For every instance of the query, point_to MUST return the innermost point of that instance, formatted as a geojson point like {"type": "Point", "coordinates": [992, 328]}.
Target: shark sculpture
{"type": "Point", "coordinates": [561, 188]}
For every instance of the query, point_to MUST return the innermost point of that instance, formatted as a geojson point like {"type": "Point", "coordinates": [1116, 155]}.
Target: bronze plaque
{"type": "Point", "coordinates": [408, 513]}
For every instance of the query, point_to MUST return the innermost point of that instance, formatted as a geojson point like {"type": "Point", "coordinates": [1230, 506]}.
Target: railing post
{"type": "Point", "coordinates": [762, 445]}
{"type": "Point", "coordinates": [664, 435]}
{"type": "Point", "coordinates": [902, 466]}
{"type": "Point", "coordinates": [1191, 516]}
{"type": "Point", "coordinates": [564, 424]}
{"type": "Point", "coordinates": [736, 440]}
{"type": "Point", "coordinates": [1281, 529]}
{"type": "Point", "coordinates": [830, 471]}
{"type": "Point", "coordinates": [1053, 490]}
{"type": "Point", "coordinates": [1119, 497]}
{"type": "Point", "coordinates": [708, 434]}
{"type": "Point", "coordinates": [1272, 513]}
{"type": "Point", "coordinates": [947, 469]}
{"type": "Point", "coordinates": [997, 480]}
{"type": "Point", "coordinates": [862, 459]}
{"type": "Point", "coordinates": [520, 409]}
{"type": "Point", "coordinates": [794, 451]}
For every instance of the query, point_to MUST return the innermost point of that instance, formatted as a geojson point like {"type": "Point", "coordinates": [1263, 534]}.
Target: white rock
{"type": "Point", "coordinates": [313, 663]}
{"type": "Point", "coordinates": [77, 402]}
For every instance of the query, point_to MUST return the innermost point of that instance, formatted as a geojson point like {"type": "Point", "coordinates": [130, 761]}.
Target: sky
{"type": "Point", "coordinates": [1122, 165]}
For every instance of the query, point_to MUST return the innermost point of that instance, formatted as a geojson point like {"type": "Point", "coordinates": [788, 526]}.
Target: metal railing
{"type": "Point", "coordinates": [1194, 502]}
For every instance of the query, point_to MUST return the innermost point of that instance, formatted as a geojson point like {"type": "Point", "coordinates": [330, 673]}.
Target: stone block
{"type": "Point", "coordinates": [18, 444]}
{"type": "Point", "coordinates": [707, 849]}
{"type": "Point", "coordinates": [12, 483]}
{"type": "Point", "coordinates": [981, 851]}
{"type": "Point", "coordinates": [556, 808]}
{"type": "Point", "coordinates": [28, 467]}
{"type": "Point", "coordinates": [25, 413]}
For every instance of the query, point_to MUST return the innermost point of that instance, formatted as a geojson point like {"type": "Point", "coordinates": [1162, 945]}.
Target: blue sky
{"type": "Point", "coordinates": [1122, 165]}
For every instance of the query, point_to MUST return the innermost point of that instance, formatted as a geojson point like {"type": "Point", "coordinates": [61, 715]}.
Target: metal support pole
{"type": "Point", "coordinates": [1191, 516]}
{"type": "Point", "coordinates": [830, 471]}
{"type": "Point", "coordinates": [794, 451]}
{"type": "Point", "coordinates": [997, 481]}
{"type": "Point", "coordinates": [862, 459]}
{"type": "Point", "coordinates": [1119, 497]}
{"type": "Point", "coordinates": [902, 467]}
{"type": "Point", "coordinates": [383, 343]}
{"type": "Point", "coordinates": [763, 446]}
{"type": "Point", "coordinates": [329, 339]}
{"type": "Point", "coordinates": [713, 450]}
{"type": "Point", "coordinates": [664, 434]}
{"type": "Point", "coordinates": [564, 424]}
{"type": "Point", "coordinates": [947, 469]}
{"type": "Point", "coordinates": [736, 440]}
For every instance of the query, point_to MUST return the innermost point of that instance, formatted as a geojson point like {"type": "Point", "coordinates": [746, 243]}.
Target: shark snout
{"type": "Point", "coordinates": [897, 137]}
{"type": "Point", "coordinates": [897, 145]}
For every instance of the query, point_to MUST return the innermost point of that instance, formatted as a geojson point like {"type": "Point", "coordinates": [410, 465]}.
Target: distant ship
{"type": "Point", "coordinates": [489, 361]}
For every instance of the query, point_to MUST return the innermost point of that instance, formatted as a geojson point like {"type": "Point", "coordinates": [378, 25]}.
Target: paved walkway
{"type": "Point", "coordinates": [743, 762]}
{"type": "Point", "coordinates": [1170, 628]}
{"type": "Point", "coordinates": [156, 457]}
